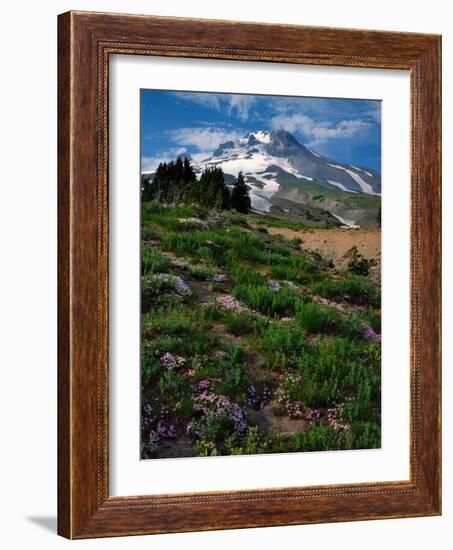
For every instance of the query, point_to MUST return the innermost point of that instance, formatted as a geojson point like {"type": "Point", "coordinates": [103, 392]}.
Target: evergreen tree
{"type": "Point", "coordinates": [172, 182]}
{"type": "Point", "coordinates": [189, 174]}
{"type": "Point", "coordinates": [240, 199]}
{"type": "Point", "coordinates": [176, 182]}
{"type": "Point", "coordinates": [211, 190]}
{"type": "Point", "coordinates": [147, 188]}
{"type": "Point", "coordinates": [158, 188]}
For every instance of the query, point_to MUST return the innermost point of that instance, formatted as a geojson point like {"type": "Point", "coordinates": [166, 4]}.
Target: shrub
{"type": "Point", "coordinates": [239, 323]}
{"type": "Point", "coordinates": [233, 380]}
{"type": "Point", "coordinates": [201, 272]}
{"type": "Point", "coordinates": [153, 291]}
{"type": "Point", "coordinates": [289, 273]}
{"type": "Point", "coordinates": [358, 264]}
{"type": "Point", "coordinates": [243, 275]}
{"type": "Point", "coordinates": [279, 249]}
{"type": "Point", "coordinates": [372, 318]}
{"type": "Point", "coordinates": [183, 244]}
{"type": "Point", "coordinates": [149, 232]}
{"type": "Point", "coordinates": [335, 370]}
{"type": "Point", "coordinates": [152, 261]}
{"type": "Point", "coordinates": [353, 326]}
{"type": "Point", "coordinates": [267, 302]}
{"type": "Point", "coordinates": [252, 442]}
{"type": "Point", "coordinates": [282, 343]}
{"type": "Point", "coordinates": [169, 321]}
{"type": "Point", "coordinates": [353, 288]}
{"type": "Point", "coordinates": [314, 317]}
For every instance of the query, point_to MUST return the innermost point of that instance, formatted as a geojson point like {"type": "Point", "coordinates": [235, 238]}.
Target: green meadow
{"type": "Point", "coordinates": [251, 343]}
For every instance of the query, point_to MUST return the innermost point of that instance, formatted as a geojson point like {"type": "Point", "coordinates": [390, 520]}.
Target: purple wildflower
{"type": "Point", "coordinates": [210, 405]}
{"type": "Point", "coordinates": [258, 399]}
{"type": "Point", "coordinates": [171, 362]}
{"type": "Point", "coordinates": [204, 385]}
{"type": "Point", "coordinates": [370, 334]}
{"type": "Point", "coordinates": [230, 303]}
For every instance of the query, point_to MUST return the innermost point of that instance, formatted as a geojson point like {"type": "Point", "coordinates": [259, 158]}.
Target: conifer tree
{"type": "Point", "coordinates": [212, 191]}
{"type": "Point", "coordinates": [176, 182]}
{"type": "Point", "coordinates": [240, 199]}
{"type": "Point", "coordinates": [147, 189]}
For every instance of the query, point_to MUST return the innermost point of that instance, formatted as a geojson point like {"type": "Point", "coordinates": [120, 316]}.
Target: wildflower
{"type": "Point", "coordinates": [155, 426]}
{"type": "Point", "coordinates": [204, 384]}
{"type": "Point", "coordinates": [171, 362]}
{"type": "Point", "coordinates": [210, 405]}
{"type": "Point", "coordinates": [258, 399]}
{"type": "Point", "coordinates": [230, 303]}
{"type": "Point", "coordinates": [370, 334]}
{"type": "Point", "coordinates": [148, 416]}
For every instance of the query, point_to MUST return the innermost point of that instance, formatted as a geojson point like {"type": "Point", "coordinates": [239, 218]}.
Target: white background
{"type": "Point", "coordinates": [28, 272]}
{"type": "Point", "coordinates": [130, 476]}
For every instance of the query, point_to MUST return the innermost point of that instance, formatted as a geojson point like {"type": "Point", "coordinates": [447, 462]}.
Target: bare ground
{"type": "Point", "coordinates": [269, 422]}
{"type": "Point", "coordinates": [333, 244]}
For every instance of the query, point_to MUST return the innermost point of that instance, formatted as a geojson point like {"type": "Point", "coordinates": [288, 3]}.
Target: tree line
{"type": "Point", "coordinates": [175, 183]}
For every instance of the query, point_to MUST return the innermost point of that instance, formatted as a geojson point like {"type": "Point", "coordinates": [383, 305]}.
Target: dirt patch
{"type": "Point", "coordinates": [333, 244]}
{"type": "Point", "coordinates": [268, 421]}
{"type": "Point", "coordinates": [204, 292]}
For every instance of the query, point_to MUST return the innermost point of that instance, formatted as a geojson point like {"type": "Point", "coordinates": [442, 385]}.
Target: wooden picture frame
{"type": "Point", "coordinates": [85, 42]}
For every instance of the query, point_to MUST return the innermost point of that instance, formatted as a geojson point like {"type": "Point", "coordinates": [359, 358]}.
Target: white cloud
{"type": "Point", "coordinates": [149, 164]}
{"type": "Point", "coordinates": [230, 104]}
{"type": "Point", "coordinates": [204, 139]}
{"type": "Point", "coordinates": [291, 123]}
{"type": "Point", "coordinates": [319, 132]}
{"type": "Point", "coordinates": [240, 104]}
{"type": "Point", "coordinates": [212, 101]}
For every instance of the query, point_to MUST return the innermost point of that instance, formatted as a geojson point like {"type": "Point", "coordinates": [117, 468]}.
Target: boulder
{"type": "Point", "coordinates": [220, 278]}
{"type": "Point", "coordinates": [178, 284]}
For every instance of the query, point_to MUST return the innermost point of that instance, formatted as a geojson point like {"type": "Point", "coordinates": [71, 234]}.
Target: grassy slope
{"type": "Point", "coordinates": [212, 376]}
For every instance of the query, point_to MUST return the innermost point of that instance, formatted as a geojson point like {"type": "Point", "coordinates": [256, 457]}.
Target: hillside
{"type": "Point", "coordinates": [253, 342]}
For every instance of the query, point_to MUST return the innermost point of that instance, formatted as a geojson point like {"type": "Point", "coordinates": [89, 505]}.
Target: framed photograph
{"type": "Point", "coordinates": [249, 275]}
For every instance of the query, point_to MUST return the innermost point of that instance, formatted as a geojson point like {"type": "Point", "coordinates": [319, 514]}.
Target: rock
{"type": "Point", "coordinates": [220, 278]}
{"type": "Point", "coordinates": [269, 422]}
{"type": "Point", "coordinates": [196, 221]}
{"type": "Point", "coordinates": [273, 286]}
{"type": "Point", "coordinates": [179, 285]}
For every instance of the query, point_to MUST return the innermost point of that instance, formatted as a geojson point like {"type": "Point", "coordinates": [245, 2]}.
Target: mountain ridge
{"type": "Point", "coordinates": [278, 167]}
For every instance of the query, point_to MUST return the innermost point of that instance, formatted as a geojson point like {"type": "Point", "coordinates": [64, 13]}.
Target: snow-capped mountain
{"type": "Point", "coordinates": [288, 179]}
{"type": "Point", "coordinates": [269, 158]}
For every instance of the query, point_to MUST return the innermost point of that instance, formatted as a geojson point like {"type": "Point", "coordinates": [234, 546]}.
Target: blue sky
{"type": "Point", "coordinates": [345, 130]}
